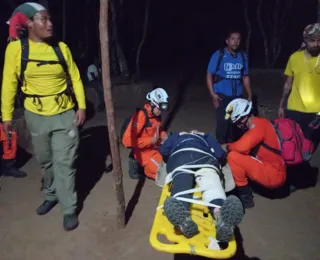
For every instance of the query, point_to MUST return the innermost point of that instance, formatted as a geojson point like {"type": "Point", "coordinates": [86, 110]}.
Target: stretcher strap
{"type": "Point", "coordinates": [186, 169]}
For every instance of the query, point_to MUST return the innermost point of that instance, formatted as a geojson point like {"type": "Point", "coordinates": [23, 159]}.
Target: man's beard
{"type": "Point", "coordinates": [235, 48]}
{"type": "Point", "coordinates": [314, 51]}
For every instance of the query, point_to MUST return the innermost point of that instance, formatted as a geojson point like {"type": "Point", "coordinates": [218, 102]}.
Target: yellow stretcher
{"type": "Point", "coordinates": [178, 244]}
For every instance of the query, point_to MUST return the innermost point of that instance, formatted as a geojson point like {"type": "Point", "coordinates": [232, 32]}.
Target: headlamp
{"type": "Point", "coordinates": [163, 106]}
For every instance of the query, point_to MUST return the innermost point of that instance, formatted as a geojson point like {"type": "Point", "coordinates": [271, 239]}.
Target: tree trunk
{"type": "Point", "coordinates": [143, 38]}
{"type": "Point", "coordinates": [278, 25]}
{"type": "Point", "coordinates": [114, 145]}
{"type": "Point", "coordinates": [248, 24]}
{"type": "Point", "coordinates": [263, 32]}
{"type": "Point", "coordinates": [122, 61]}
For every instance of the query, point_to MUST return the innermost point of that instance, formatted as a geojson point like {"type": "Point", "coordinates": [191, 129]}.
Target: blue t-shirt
{"type": "Point", "coordinates": [230, 71]}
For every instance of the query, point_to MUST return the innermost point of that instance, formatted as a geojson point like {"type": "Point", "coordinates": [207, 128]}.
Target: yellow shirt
{"type": "Point", "coordinates": [39, 80]}
{"type": "Point", "coordinates": [305, 94]}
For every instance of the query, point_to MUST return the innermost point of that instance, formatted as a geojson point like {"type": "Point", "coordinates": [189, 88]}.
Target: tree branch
{"type": "Point", "coordinates": [144, 34]}
{"type": "Point", "coordinates": [263, 32]}
{"type": "Point", "coordinates": [248, 24]}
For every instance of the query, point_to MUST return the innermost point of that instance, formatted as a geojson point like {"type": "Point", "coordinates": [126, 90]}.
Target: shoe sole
{"type": "Point", "coordinates": [71, 228]}
{"type": "Point", "coordinates": [179, 217]}
{"type": "Point", "coordinates": [231, 214]}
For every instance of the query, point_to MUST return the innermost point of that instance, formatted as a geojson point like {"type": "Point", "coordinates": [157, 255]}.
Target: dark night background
{"type": "Point", "coordinates": [179, 32]}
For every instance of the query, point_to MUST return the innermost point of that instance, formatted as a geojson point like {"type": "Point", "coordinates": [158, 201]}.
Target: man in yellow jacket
{"type": "Point", "coordinates": [49, 89]}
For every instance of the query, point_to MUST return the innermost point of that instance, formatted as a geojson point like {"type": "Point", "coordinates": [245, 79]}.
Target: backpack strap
{"type": "Point", "coordinates": [63, 62]}
{"type": "Point", "coordinates": [147, 123]}
{"type": "Point", "coordinates": [276, 151]}
{"type": "Point", "coordinates": [217, 78]}
{"type": "Point", "coordinates": [221, 53]}
{"type": "Point", "coordinates": [24, 59]}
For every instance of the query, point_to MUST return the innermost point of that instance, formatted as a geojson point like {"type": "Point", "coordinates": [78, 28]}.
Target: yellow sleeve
{"type": "Point", "coordinates": [289, 70]}
{"type": "Point", "coordinates": [75, 77]}
{"type": "Point", "coordinates": [9, 80]}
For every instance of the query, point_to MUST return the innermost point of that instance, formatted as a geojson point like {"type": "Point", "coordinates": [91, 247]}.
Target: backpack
{"type": "Point", "coordinates": [127, 121]}
{"type": "Point", "coordinates": [221, 53]}
{"type": "Point", "coordinates": [295, 148]}
{"type": "Point", "coordinates": [61, 60]}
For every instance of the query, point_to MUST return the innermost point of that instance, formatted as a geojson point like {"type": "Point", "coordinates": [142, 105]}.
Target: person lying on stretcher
{"type": "Point", "coordinates": [195, 158]}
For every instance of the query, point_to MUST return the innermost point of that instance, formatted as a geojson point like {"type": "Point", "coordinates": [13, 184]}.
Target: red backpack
{"type": "Point", "coordinates": [295, 148]}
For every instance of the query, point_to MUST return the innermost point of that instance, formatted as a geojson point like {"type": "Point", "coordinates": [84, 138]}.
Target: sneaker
{"type": "Point", "coordinates": [180, 217]}
{"type": "Point", "coordinates": [70, 222]}
{"type": "Point", "coordinates": [46, 207]}
{"type": "Point", "coordinates": [229, 216]}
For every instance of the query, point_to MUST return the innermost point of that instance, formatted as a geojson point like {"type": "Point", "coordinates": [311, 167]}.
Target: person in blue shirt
{"type": "Point", "coordinates": [227, 76]}
{"type": "Point", "coordinates": [195, 158]}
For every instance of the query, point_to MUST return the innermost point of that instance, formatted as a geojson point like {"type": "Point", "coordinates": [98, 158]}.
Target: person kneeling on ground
{"type": "Point", "coordinates": [252, 156]}
{"type": "Point", "coordinates": [195, 157]}
{"type": "Point", "coordinates": [143, 135]}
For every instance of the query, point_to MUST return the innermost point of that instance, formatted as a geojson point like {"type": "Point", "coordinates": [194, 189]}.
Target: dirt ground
{"type": "Point", "coordinates": [286, 229]}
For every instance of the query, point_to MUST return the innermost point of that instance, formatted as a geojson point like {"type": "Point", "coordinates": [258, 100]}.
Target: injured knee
{"type": "Point", "coordinates": [209, 180]}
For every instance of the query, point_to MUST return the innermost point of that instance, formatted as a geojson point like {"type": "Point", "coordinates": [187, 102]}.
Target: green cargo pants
{"type": "Point", "coordinates": [55, 140]}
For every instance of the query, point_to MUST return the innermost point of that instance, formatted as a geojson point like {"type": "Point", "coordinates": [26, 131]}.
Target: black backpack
{"type": "Point", "coordinates": [61, 60]}
{"type": "Point", "coordinates": [127, 121]}
{"type": "Point", "coordinates": [221, 53]}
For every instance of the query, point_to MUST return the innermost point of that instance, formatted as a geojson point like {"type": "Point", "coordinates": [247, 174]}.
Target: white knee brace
{"type": "Point", "coordinates": [161, 175]}
{"type": "Point", "coordinates": [208, 180]}
{"type": "Point", "coordinates": [228, 178]}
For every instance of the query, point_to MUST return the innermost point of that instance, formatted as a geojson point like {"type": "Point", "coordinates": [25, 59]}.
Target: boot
{"type": "Point", "coordinates": [46, 207]}
{"type": "Point", "coordinates": [135, 170]}
{"type": "Point", "coordinates": [9, 169]}
{"type": "Point", "coordinates": [245, 195]}
{"type": "Point", "coordinates": [70, 222]}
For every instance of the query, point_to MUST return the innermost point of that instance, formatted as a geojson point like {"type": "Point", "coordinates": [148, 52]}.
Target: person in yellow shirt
{"type": "Point", "coordinates": [301, 92]}
{"type": "Point", "coordinates": [50, 90]}
{"type": "Point", "coordinates": [300, 100]}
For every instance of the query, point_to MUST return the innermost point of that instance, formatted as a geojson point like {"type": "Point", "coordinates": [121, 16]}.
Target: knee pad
{"type": "Point", "coordinates": [228, 178]}
{"type": "Point", "coordinates": [209, 180]}
{"type": "Point", "coordinates": [161, 175]}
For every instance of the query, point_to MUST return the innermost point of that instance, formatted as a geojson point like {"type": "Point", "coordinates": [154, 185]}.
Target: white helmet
{"type": "Point", "coordinates": [238, 108]}
{"type": "Point", "coordinates": [159, 98]}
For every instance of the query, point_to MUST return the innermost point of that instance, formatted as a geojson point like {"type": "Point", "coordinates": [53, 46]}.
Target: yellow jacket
{"type": "Point", "coordinates": [46, 80]}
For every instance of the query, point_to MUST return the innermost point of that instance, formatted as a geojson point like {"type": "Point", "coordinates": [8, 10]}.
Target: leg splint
{"type": "Point", "coordinates": [204, 243]}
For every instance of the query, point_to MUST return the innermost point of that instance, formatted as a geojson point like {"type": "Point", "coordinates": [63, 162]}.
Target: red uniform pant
{"type": "Point", "coordinates": [245, 166]}
{"type": "Point", "coordinates": [9, 146]}
{"type": "Point", "coordinates": [150, 160]}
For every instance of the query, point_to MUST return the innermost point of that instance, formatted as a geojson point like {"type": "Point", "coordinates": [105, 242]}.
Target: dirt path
{"type": "Point", "coordinates": [286, 229]}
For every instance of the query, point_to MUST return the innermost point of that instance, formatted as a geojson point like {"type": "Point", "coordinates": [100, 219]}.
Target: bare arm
{"type": "Point", "coordinates": [286, 91]}
{"type": "Point", "coordinates": [246, 84]}
{"type": "Point", "coordinates": [210, 84]}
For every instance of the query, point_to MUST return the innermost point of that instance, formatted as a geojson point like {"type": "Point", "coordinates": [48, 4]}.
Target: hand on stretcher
{"type": "Point", "coordinates": [225, 147]}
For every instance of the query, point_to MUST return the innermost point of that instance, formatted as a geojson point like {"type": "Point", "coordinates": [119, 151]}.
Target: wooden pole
{"type": "Point", "coordinates": [114, 146]}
